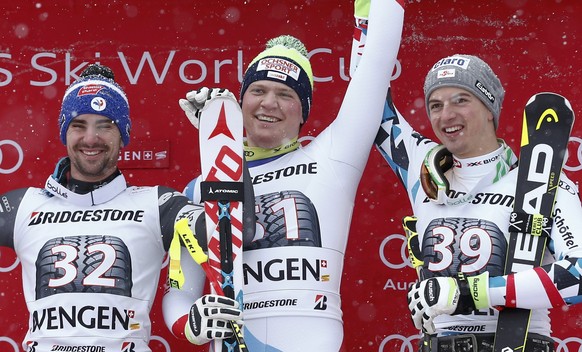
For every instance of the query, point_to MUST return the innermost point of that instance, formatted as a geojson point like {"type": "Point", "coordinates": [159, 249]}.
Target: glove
{"type": "Point", "coordinates": [209, 319]}
{"type": "Point", "coordinates": [362, 9]}
{"type": "Point", "coordinates": [432, 297]}
{"type": "Point", "coordinates": [196, 100]}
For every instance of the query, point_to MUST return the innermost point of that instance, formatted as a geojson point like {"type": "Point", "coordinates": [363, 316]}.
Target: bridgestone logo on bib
{"type": "Point", "coordinates": [57, 348]}
{"type": "Point", "coordinates": [78, 349]}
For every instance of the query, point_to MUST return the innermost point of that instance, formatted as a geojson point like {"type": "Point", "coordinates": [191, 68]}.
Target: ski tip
{"type": "Point", "coordinates": [567, 102]}
{"type": "Point", "coordinates": [533, 97]}
{"type": "Point", "coordinates": [548, 94]}
{"type": "Point", "coordinates": [551, 94]}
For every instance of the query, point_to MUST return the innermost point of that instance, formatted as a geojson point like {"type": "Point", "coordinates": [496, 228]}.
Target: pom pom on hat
{"type": "Point", "coordinates": [289, 42]}
{"type": "Point", "coordinates": [285, 61]}
{"type": "Point", "coordinates": [470, 73]}
{"type": "Point", "coordinates": [96, 92]}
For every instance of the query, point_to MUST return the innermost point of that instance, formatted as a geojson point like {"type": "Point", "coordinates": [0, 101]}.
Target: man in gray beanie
{"type": "Point", "coordinates": [461, 192]}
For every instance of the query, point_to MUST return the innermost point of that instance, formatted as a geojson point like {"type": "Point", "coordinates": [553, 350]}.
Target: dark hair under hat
{"type": "Point", "coordinates": [96, 92]}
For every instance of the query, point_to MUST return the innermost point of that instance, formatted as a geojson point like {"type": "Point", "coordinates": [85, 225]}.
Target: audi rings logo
{"type": "Point", "coordinates": [407, 343]}
{"type": "Point", "coordinates": [162, 341]}
{"type": "Point", "coordinates": [578, 167]}
{"type": "Point", "coordinates": [6, 166]}
{"type": "Point", "coordinates": [8, 256]}
{"type": "Point", "coordinates": [568, 344]}
{"type": "Point", "coordinates": [387, 247]}
{"type": "Point", "coordinates": [305, 140]}
{"type": "Point", "coordinates": [10, 342]}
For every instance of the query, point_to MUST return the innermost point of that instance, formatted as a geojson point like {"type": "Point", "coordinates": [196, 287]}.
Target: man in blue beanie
{"type": "Point", "coordinates": [94, 97]}
{"type": "Point", "coordinates": [91, 247]}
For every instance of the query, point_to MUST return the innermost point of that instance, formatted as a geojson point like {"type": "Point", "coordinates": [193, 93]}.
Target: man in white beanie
{"type": "Point", "coordinates": [462, 194]}
{"type": "Point", "coordinates": [304, 194]}
{"type": "Point", "coordinates": [90, 246]}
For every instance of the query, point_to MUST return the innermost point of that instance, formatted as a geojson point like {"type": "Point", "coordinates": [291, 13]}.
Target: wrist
{"type": "Point", "coordinates": [479, 287]}
{"type": "Point", "coordinates": [465, 305]}
{"type": "Point", "coordinates": [192, 338]}
{"type": "Point", "coordinates": [473, 293]}
{"type": "Point", "coordinates": [193, 328]}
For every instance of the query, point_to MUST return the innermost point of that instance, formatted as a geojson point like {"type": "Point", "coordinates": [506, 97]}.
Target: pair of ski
{"type": "Point", "coordinates": [224, 196]}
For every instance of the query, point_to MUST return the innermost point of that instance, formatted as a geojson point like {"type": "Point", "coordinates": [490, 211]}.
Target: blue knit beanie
{"type": "Point", "coordinates": [96, 92]}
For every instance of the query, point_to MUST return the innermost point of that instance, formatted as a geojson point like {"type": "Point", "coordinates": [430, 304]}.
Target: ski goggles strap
{"type": "Point", "coordinates": [432, 174]}
{"type": "Point", "coordinates": [439, 160]}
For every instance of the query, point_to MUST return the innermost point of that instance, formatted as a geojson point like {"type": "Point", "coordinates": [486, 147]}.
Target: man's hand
{"type": "Point", "coordinates": [196, 100]}
{"type": "Point", "coordinates": [432, 297]}
{"type": "Point", "coordinates": [209, 319]}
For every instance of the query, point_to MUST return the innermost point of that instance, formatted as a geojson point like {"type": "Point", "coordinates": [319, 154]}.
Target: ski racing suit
{"type": "Point", "coordinates": [90, 262]}
{"type": "Point", "coordinates": [470, 233]}
{"type": "Point", "coordinates": [304, 203]}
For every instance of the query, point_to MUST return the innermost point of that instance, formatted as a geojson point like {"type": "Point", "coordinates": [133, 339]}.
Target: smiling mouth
{"type": "Point", "coordinates": [264, 118]}
{"type": "Point", "coordinates": [453, 129]}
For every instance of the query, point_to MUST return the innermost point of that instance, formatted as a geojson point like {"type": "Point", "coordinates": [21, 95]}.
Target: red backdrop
{"type": "Point", "coordinates": [161, 49]}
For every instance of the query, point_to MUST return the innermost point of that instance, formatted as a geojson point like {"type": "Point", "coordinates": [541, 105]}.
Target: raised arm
{"type": "Point", "coordinates": [397, 141]}
{"type": "Point", "coordinates": [360, 114]}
